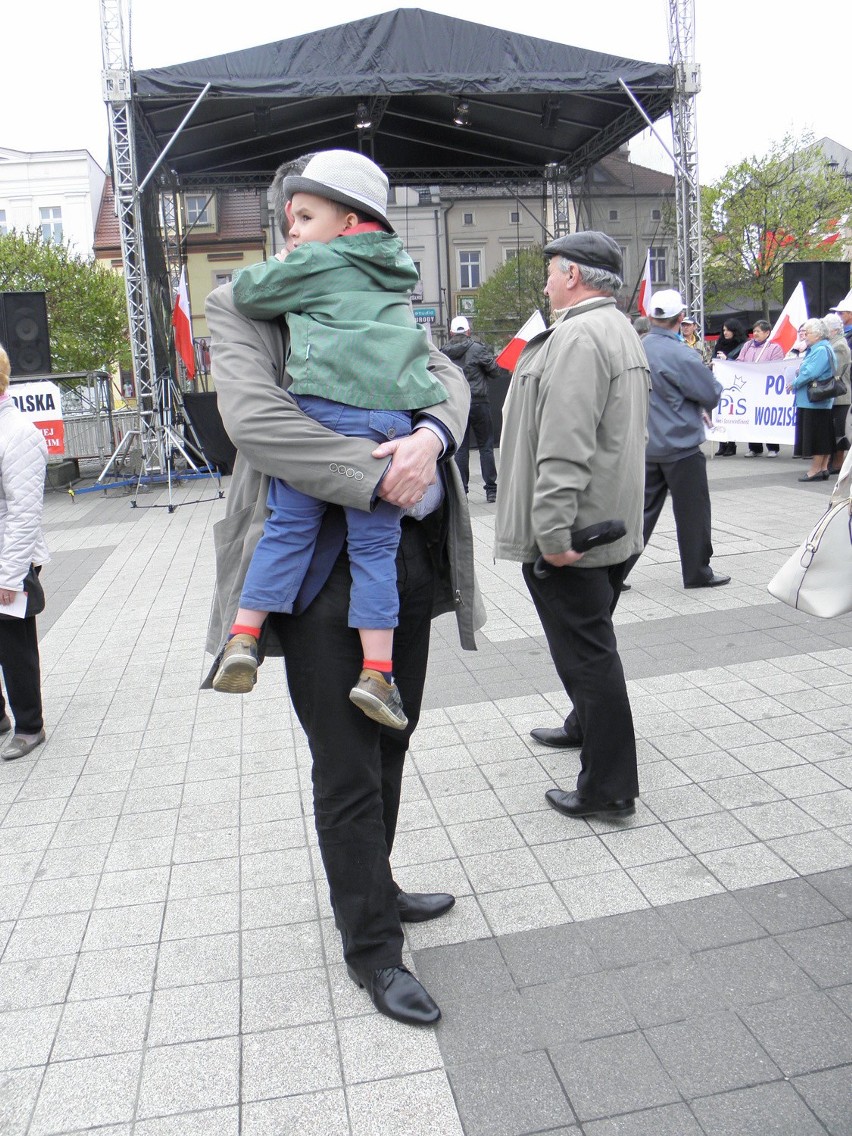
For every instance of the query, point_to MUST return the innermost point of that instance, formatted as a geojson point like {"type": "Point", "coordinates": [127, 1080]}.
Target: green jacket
{"type": "Point", "coordinates": [353, 338]}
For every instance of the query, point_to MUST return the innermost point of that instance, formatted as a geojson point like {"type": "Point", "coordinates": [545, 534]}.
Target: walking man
{"type": "Point", "coordinates": [572, 454]}
{"type": "Point", "coordinates": [479, 366]}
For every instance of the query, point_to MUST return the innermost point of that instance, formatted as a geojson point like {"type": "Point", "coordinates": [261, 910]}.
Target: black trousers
{"type": "Point", "coordinates": [357, 764]}
{"type": "Point", "coordinates": [480, 425]}
{"type": "Point", "coordinates": [686, 480]}
{"type": "Point", "coordinates": [575, 606]}
{"type": "Point", "coordinates": [757, 447]}
{"type": "Point", "coordinates": [19, 661]}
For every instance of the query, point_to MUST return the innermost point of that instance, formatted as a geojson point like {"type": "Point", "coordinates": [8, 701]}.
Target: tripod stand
{"type": "Point", "coordinates": [155, 447]}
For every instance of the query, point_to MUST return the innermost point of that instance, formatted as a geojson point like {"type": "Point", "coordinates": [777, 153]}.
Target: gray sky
{"type": "Point", "coordinates": [761, 77]}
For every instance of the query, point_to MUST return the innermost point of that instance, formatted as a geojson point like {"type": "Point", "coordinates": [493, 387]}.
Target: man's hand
{"type": "Point", "coordinates": [412, 469]}
{"type": "Point", "coordinates": [7, 596]}
{"type": "Point", "coordinates": [563, 559]}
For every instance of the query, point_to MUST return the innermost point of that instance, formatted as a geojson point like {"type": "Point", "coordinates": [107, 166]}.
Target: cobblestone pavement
{"type": "Point", "coordinates": [168, 965]}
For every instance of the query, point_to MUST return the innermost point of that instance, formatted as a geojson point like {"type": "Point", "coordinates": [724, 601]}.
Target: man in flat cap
{"type": "Point", "coordinates": [573, 455]}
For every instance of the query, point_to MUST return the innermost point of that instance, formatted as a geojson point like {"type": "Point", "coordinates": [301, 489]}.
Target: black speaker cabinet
{"type": "Point", "coordinates": [24, 333]}
{"type": "Point", "coordinates": [826, 283]}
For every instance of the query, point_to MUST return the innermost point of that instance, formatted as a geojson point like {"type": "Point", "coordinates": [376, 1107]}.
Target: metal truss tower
{"type": "Point", "coordinates": [687, 83]}
{"type": "Point", "coordinates": [117, 96]}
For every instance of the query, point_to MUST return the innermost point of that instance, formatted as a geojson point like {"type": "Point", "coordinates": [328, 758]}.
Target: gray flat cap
{"type": "Point", "coordinates": [595, 250]}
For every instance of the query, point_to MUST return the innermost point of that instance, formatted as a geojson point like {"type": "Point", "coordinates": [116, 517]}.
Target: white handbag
{"type": "Point", "coordinates": [818, 576]}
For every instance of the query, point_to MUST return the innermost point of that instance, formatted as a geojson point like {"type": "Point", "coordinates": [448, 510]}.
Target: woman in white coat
{"type": "Point", "coordinates": [23, 458]}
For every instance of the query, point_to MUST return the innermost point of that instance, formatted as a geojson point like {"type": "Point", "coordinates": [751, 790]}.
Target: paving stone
{"type": "Point", "coordinates": [670, 1120]}
{"type": "Point", "coordinates": [552, 954]}
{"type": "Point", "coordinates": [489, 1026]}
{"type": "Point", "coordinates": [803, 1033]}
{"type": "Point", "coordinates": [87, 1093]}
{"type": "Point", "coordinates": [510, 1096]}
{"type": "Point", "coordinates": [578, 1011]}
{"type": "Point", "coordinates": [122, 970]}
{"type": "Point", "coordinates": [45, 936]}
{"type": "Point", "coordinates": [35, 982]}
{"type": "Point", "coordinates": [303, 1059]}
{"type": "Point", "coordinates": [827, 1094]}
{"type": "Point", "coordinates": [102, 1026]}
{"type": "Point", "coordinates": [18, 1091]}
{"type": "Point", "coordinates": [612, 1075]}
{"type": "Point", "coordinates": [668, 990]}
{"type": "Point", "coordinates": [194, 1013]}
{"type": "Point", "coordinates": [374, 1107]}
{"type": "Point", "coordinates": [745, 974]}
{"type": "Point", "coordinates": [637, 936]}
{"type": "Point", "coordinates": [710, 1054]}
{"type": "Point", "coordinates": [837, 888]}
{"type": "Point", "coordinates": [790, 905]}
{"type": "Point", "coordinates": [711, 921]}
{"type": "Point", "coordinates": [309, 1114]}
{"type": "Point", "coordinates": [466, 970]}
{"type": "Point", "coordinates": [766, 1109]}
{"type": "Point", "coordinates": [187, 962]}
{"type": "Point", "coordinates": [210, 1122]}
{"type": "Point", "coordinates": [604, 894]}
{"type": "Point", "coordinates": [825, 953]}
{"type": "Point", "coordinates": [373, 1047]}
{"type": "Point", "coordinates": [124, 926]}
{"type": "Point", "coordinates": [26, 1036]}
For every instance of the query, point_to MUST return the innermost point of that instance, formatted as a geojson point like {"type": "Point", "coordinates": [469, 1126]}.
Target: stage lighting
{"type": "Point", "coordinates": [461, 114]}
{"type": "Point", "coordinates": [363, 120]}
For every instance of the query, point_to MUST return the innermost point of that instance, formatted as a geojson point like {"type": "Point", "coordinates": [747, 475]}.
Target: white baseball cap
{"type": "Point", "coordinates": [845, 305]}
{"type": "Point", "coordinates": [666, 304]}
{"type": "Point", "coordinates": [460, 323]}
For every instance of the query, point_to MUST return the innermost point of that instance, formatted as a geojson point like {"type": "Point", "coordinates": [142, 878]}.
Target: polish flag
{"type": "Point", "coordinates": [182, 321]}
{"type": "Point", "coordinates": [645, 287]}
{"type": "Point", "coordinates": [510, 354]}
{"type": "Point", "coordinates": [786, 330]}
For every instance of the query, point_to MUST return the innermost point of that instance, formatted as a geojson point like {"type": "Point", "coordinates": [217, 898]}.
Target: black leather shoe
{"type": "Point", "coordinates": [420, 907]}
{"type": "Point", "coordinates": [573, 805]}
{"type": "Point", "coordinates": [397, 994]}
{"type": "Point", "coordinates": [490, 498]}
{"type": "Point", "coordinates": [714, 582]}
{"type": "Point", "coordinates": [559, 738]}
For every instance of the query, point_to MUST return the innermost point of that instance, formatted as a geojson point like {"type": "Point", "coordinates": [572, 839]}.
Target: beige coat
{"type": "Point", "coordinates": [573, 447]}
{"type": "Point", "coordinates": [275, 439]}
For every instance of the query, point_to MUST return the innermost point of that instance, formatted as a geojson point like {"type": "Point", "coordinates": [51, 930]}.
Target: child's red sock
{"type": "Point", "coordinates": [383, 666]}
{"type": "Point", "coordinates": [243, 629]}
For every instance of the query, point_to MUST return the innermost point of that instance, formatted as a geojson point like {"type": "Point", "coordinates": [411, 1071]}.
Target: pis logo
{"type": "Point", "coordinates": [729, 403]}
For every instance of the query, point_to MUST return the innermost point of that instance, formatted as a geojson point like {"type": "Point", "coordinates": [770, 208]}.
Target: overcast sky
{"type": "Point", "coordinates": [761, 76]}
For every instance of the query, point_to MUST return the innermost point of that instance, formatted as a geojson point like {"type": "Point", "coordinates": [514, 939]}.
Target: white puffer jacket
{"type": "Point", "coordinates": [23, 458]}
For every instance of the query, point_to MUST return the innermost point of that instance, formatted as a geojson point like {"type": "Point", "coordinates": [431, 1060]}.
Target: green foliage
{"type": "Point", "coordinates": [510, 295]}
{"type": "Point", "coordinates": [86, 305]}
{"type": "Point", "coordinates": [765, 212]}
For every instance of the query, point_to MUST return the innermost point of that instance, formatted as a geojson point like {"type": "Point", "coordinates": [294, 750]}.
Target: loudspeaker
{"type": "Point", "coordinates": [24, 332]}
{"type": "Point", "coordinates": [826, 283]}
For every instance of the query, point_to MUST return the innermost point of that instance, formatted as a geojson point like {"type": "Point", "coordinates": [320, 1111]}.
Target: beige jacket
{"type": "Point", "coordinates": [275, 439]}
{"type": "Point", "coordinates": [573, 447]}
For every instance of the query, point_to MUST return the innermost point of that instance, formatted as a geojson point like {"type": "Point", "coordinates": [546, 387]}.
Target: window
{"type": "Point", "coordinates": [3, 229]}
{"type": "Point", "coordinates": [197, 209]}
{"type": "Point", "coordinates": [417, 290]}
{"type": "Point", "coordinates": [658, 265]}
{"type": "Point", "coordinates": [467, 218]}
{"type": "Point", "coordinates": [50, 219]}
{"type": "Point", "coordinates": [510, 252]}
{"type": "Point", "coordinates": [613, 214]}
{"type": "Point", "coordinates": [470, 269]}
{"type": "Point", "coordinates": [220, 278]}
{"type": "Point", "coordinates": [656, 215]}
{"type": "Point", "coordinates": [515, 217]}
{"type": "Point", "coordinates": [624, 273]}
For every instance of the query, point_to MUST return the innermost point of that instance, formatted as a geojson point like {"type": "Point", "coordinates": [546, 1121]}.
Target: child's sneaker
{"type": "Point", "coordinates": [379, 699]}
{"type": "Point", "coordinates": [237, 671]}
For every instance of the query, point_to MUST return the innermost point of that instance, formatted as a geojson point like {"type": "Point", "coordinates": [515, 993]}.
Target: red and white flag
{"type": "Point", "coordinates": [510, 354]}
{"type": "Point", "coordinates": [786, 330]}
{"type": "Point", "coordinates": [182, 321]}
{"type": "Point", "coordinates": [645, 287]}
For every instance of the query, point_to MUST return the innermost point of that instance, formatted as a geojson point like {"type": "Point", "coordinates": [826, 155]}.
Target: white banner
{"type": "Point", "coordinates": [40, 401]}
{"type": "Point", "coordinates": [755, 405]}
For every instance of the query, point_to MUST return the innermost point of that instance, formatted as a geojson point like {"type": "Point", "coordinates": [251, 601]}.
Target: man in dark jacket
{"type": "Point", "coordinates": [478, 365]}
{"type": "Point", "coordinates": [682, 389]}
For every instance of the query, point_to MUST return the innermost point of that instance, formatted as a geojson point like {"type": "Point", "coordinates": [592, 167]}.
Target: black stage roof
{"type": "Point", "coordinates": [531, 102]}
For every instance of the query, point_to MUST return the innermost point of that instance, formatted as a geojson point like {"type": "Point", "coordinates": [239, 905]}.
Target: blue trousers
{"type": "Point", "coordinates": [284, 551]}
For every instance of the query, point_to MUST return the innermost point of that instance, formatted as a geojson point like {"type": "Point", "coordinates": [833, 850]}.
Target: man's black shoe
{"type": "Point", "coordinates": [573, 805]}
{"type": "Point", "coordinates": [559, 738]}
{"type": "Point", "coordinates": [714, 582]}
{"type": "Point", "coordinates": [420, 907]}
{"type": "Point", "coordinates": [397, 994]}
{"type": "Point", "coordinates": [490, 498]}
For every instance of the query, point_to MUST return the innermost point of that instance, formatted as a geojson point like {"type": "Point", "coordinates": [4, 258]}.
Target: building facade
{"type": "Point", "coordinates": [56, 191]}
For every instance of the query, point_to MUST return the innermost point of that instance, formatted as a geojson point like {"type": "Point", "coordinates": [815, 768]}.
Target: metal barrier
{"type": "Point", "coordinates": [95, 436]}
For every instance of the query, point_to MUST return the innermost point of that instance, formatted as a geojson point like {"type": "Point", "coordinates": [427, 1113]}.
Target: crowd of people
{"type": "Point", "coordinates": [347, 526]}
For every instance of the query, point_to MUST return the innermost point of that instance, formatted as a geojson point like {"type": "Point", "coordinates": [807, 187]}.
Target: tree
{"type": "Point", "coordinates": [768, 211]}
{"type": "Point", "coordinates": [510, 295]}
{"type": "Point", "coordinates": [86, 305]}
